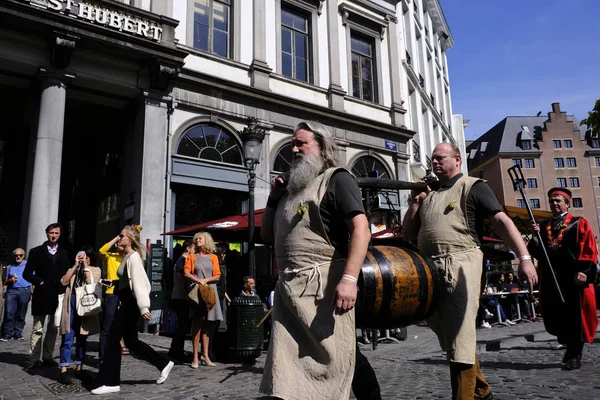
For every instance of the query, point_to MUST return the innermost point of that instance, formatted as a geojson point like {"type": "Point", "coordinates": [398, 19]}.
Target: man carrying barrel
{"type": "Point", "coordinates": [448, 225]}
{"type": "Point", "coordinates": [317, 222]}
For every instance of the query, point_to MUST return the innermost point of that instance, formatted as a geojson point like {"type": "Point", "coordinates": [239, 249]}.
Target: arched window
{"type": "Point", "coordinates": [283, 159]}
{"type": "Point", "coordinates": [210, 142]}
{"type": "Point", "coordinates": [368, 166]}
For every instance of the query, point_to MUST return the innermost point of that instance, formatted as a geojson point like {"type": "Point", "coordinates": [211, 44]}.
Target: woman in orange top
{"type": "Point", "coordinates": [203, 268]}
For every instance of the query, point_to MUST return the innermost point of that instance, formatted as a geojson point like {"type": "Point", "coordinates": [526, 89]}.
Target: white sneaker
{"type": "Point", "coordinates": [106, 389]}
{"type": "Point", "coordinates": [488, 315]}
{"type": "Point", "coordinates": [164, 374]}
{"type": "Point", "coordinates": [508, 321]}
{"type": "Point", "coordinates": [485, 325]}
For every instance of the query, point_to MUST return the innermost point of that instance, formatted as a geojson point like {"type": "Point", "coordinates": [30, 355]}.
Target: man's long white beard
{"type": "Point", "coordinates": [303, 171]}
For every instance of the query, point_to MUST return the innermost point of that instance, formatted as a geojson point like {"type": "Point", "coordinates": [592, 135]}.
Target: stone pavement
{"type": "Point", "coordinates": [520, 363]}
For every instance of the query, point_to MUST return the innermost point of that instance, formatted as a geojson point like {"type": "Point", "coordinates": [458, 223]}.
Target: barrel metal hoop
{"type": "Point", "coordinates": [368, 296]}
{"type": "Point", "coordinates": [387, 278]}
{"type": "Point", "coordinates": [420, 266]}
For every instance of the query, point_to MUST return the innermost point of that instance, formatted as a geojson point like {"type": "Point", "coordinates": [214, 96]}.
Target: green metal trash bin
{"type": "Point", "coordinates": [245, 339]}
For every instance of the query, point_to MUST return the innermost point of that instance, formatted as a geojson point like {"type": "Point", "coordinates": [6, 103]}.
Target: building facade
{"type": "Point", "coordinates": [425, 40]}
{"type": "Point", "coordinates": [552, 150]}
{"type": "Point", "coordinates": [131, 111]}
{"type": "Point", "coordinates": [84, 132]}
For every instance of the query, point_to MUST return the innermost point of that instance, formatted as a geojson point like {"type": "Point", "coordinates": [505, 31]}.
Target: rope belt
{"type": "Point", "coordinates": [315, 271]}
{"type": "Point", "coordinates": [446, 255]}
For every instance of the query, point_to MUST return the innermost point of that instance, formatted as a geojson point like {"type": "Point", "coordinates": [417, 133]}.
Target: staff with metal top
{"type": "Point", "coordinates": [518, 181]}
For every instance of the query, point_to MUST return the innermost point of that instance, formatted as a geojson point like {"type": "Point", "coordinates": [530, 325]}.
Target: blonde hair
{"type": "Point", "coordinates": [133, 233]}
{"type": "Point", "coordinates": [327, 144]}
{"type": "Point", "coordinates": [209, 244]}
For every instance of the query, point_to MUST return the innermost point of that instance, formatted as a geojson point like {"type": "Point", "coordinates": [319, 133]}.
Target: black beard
{"type": "Point", "coordinates": [304, 170]}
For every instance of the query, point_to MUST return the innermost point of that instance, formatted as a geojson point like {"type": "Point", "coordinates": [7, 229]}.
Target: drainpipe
{"type": "Point", "coordinates": [166, 208]}
{"type": "Point", "coordinates": [544, 196]}
{"type": "Point", "coordinates": [594, 190]}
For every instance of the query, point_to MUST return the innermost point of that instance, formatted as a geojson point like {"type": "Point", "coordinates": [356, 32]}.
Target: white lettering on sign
{"type": "Point", "coordinates": [95, 14]}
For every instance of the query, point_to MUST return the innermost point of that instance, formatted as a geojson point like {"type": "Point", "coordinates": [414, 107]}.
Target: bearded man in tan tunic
{"type": "Point", "coordinates": [449, 224]}
{"type": "Point", "coordinates": [316, 220]}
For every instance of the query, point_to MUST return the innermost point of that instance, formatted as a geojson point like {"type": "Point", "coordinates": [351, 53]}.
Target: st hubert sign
{"type": "Point", "coordinates": [96, 14]}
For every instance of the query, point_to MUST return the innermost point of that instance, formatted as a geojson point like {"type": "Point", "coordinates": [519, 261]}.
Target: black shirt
{"type": "Point", "coordinates": [481, 203]}
{"type": "Point", "coordinates": [342, 200]}
{"type": "Point", "coordinates": [180, 264]}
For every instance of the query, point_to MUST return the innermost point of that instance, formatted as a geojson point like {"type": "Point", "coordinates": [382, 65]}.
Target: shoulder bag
{"type": "Point", "coordinates": [87, 298]}
{"type": "Point", "coordinates": [203, 293]}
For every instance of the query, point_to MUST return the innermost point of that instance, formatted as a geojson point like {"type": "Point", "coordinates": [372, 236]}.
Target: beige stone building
{"type": "Point", "coordinates": [552, 150]}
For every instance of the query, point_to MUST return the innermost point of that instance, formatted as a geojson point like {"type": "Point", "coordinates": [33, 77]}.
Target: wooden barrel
{"type": "Point", "coordinates": [397, 287]}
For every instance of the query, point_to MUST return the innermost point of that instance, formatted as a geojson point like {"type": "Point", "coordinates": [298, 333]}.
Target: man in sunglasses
{"type": "Point", "coordinates": [18, 294]}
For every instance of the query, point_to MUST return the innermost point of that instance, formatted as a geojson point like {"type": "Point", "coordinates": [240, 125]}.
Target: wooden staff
{"type": "Point", "coordinates": [264, 318]}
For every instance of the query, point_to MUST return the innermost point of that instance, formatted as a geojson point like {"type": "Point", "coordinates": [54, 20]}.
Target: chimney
{"type": "Point", "coordinates": [556, 108]}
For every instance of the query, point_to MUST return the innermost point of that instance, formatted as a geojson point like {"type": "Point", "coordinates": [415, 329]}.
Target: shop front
{"type": "Point", "coordinates": [84, 135]}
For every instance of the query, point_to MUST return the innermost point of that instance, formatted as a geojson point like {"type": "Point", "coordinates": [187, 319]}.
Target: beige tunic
{"type": "Point", "coordinates": [445, 236]}
{"type": "Point", "coordinates": [312, 351]}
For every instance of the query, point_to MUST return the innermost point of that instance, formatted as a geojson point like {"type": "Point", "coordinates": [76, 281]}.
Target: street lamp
{"type": "Point", "coordinates": [252, 136]}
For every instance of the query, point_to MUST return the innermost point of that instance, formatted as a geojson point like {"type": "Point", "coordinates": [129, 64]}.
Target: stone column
{"type": "Point", "coordinates": [398, 110]}
{"type": "Point", "coordinates": [343, 152]}
{"type": "Point", "coordinates": [336, 92]}
{"type": "Point", "coordinates": [151, 143]}
{"type": "Point", "coordinates": [259, 69]}
{"type": "Point", "coordinates": [45, 180]}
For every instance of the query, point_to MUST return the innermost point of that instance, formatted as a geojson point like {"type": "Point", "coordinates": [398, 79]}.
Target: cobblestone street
{"type": "Point", "coordinates": [520, 363]}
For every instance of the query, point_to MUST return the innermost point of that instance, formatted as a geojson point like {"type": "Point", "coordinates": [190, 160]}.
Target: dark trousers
{"type": "Point", "coordinates": [125, 325]}
{"type": "Point", "coordinates": [15, 313]}
{"type": "Point", "coordinates": [182, 311]}
{"type": "Point", "coordinates": [364, 382]}
{"type": "Point", "coordinates": [109, 308]}
{"type": "Point", "coordinates": [574, 349]}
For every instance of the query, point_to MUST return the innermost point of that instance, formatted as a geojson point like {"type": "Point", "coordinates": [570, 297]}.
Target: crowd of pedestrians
{"type": "Point", "coordinates": [54, 285]}
{"type": "Point", "coordinates": [318, 203]}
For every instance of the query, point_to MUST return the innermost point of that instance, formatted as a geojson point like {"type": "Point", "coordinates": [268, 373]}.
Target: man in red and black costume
{"type": "Point", "coordinates": [572, 249]}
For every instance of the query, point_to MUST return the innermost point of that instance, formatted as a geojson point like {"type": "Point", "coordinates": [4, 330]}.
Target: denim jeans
{"type": "Point", "coordinates": [15, 313]}
{"type": "Point", "coordinates": [66, 343]}
{"type": "Point", "coordinates": [493, 303]}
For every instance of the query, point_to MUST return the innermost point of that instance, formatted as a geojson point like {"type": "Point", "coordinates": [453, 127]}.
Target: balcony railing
{"type": "Point", "coordinates": [432, 99]}
{"type": "Point", "coordinates": [408, 59]}
{"type": "Point", "coordinates": [416, 151]}
{"type": "Point", "coordinates": [421, 82]}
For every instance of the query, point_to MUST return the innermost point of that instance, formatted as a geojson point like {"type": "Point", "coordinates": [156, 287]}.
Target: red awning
{"type": "Point", "coordinates": [234, 227]}
{"type": "Point", "coordinates": [384, 234]}
{"type": "Point", "coordinates": [488, 239]}
{"type": "Point", "coordinates": [390, 234]}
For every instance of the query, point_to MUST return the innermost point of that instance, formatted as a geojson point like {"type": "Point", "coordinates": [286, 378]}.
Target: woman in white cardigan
{"type": "Point", "coordinates": [134, 293]}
